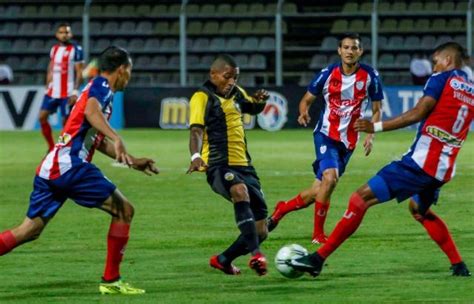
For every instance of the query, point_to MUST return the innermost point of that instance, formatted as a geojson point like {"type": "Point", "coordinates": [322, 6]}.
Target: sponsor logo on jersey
{"type": "Point", "coordinates": [274, 115]}
{"type": "Point", "coordinates": [443, 136]}
{"type": "Point", "coordinates": [462, 86]}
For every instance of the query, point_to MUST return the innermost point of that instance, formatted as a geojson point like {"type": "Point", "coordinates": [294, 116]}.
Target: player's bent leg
{"type": "Point", "coordinates": [27, 231]}
{"type": "Point", "coordinates": [246, 223]}
{"type": "Point", "coordinates": [259, 262]}
{"type": "Point", "coordinates": [46, 128]}
{"type": "Point", "coordinates": [122, 213]}
{"type": "Point", "coordinates": [439, 233]}
{"type": "Point", "coordinates": [329, 180]}
{"type": "Point", "coordinates": [304, 199]}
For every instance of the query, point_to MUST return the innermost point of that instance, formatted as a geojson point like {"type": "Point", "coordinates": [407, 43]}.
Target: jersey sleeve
{"type": "Point", "coordinates": [197, 107]}
{"type": "Point", "coordinates": [375, 88]}
{"type": "Point", "coordinates": [435, 85]}
{"type": "Point", "coordinates": [79, 54]}
{"type": "Point", "coordinates": [247, 103]}
{"type": "Point", "coordinates": [316, 85]}
{"type": "Point", "coordinates": [99, 90]}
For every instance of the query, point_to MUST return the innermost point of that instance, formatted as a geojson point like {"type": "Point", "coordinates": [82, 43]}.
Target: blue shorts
{"type": "Point", "coordinates": [51, 105]}
{"type": "Point", "coordinates": [329, 154]}
{"type": "Point", "coordinates": [84, 184]}
{"type": "Point", "coordinates": [403, 179]}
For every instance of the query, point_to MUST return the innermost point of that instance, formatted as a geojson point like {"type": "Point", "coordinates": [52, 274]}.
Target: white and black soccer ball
{"type": "Point", "coordinates": [285, 254]}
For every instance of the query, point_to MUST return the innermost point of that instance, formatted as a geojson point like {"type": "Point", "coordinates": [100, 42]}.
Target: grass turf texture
{"type": "Point", "coordinates": [180, 223]}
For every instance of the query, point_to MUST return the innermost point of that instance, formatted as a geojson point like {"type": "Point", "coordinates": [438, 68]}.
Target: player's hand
{"type": "Point", "coordinates": [368, 144]}
{"type": "Point", "coordinates": [121, 154]}
{"type": "Point", "coordinates": [145, 165]}
{"type": "Point", "coordinates": [197, 165]}
{"type": "Point", "coordinates": [304, 119]}
{"type": "Point", "coordinates": [261, 95]}
{"type": "Point", "coordinates": [364, 125]}
{"type": "Point", "coordinates": [72, 100]}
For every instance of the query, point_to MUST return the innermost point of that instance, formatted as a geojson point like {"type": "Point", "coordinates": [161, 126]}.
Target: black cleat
{"type": "Point", "coordinates": [271, 224]}
{"type": "Point", "coordinates": [460, 270]}
{"type": "Point", "coordinates": [312, 264]}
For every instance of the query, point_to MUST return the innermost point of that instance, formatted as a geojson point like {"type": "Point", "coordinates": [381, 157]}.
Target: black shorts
{"type": "Point", "coordinates": [221, 178]}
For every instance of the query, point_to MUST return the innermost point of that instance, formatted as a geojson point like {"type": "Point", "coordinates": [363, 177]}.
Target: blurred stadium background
{"type": "Point", "coordinates": [275, 42]}
{"type": "Point", "coordinates": [279, 45]}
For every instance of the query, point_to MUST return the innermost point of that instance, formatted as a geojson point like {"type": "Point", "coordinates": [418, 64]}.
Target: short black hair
{"type": "Point", "coordinates": [112, 58]}
{"type": "Point", "coordinates": [223, 59]}
{"type": "Point", "coordinates": [460, 52]}
{"type": "Point", "coordinates": [60, 25]}
{"type": "Point", "coordinates": [354, 36]}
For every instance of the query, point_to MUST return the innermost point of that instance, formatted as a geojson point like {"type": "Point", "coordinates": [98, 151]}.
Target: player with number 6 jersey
{"type": "Point", "coordinates": [445, 113]}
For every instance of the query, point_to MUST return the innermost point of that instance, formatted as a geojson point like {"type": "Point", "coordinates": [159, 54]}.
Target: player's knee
{"type": "Point", "coordinates": [239, 193]}
{"type": "Point", "coordinates": [330, 178]}
{"type": "Point", "coordinates": [413, 208]}
{"type": "Point", "coordinates": [128, 212]}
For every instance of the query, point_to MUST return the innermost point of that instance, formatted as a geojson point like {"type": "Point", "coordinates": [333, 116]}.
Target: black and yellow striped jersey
{"type": "Point", "coordinates": [224, 141]}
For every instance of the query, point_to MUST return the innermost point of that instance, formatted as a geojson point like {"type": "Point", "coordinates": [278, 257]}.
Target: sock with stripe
{"type": "Point", "coordinates": [346, 226]}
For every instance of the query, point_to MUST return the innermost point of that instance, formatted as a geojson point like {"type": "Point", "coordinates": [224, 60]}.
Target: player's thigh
{"type": "Point", "coordinates": [88, 186]}
{"type": "Point", "coordinates": [222, 179]}
{"type": "Point", "coordinates": [400, 181]}
{"type": "Point", "coordinates": [327, 156]}
{"type": "Point", "coordinates": [249, 177]}
{"type": "Point", "coordinates": [64, 107]}
{"type": "Point", "coordinates": [425, 199]}
{"type": "Point", "coordinates": [50, 104]}
{"type": "Point", "coordinates": [45, 199]}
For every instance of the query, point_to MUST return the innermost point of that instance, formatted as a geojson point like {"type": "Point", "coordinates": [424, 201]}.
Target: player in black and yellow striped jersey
{"type": "Point", "coordinates": [218, 146]}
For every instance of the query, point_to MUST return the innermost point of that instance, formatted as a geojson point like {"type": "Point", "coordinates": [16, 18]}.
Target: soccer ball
{"type": "Point", "coordinates": [287, 253]}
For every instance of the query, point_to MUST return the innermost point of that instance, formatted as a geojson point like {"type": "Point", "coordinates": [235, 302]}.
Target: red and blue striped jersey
{"type": "Point", "coordinates": [78, 140]}
{"type": "Point", "coordinates": [441, 135]}
{"type": "Point", "coordinates": [345, 96]}
{"type": "Point", "coordinates": [63, 60]}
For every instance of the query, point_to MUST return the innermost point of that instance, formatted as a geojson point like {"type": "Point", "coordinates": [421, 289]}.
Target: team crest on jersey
{"type": "Point", "coordinates": [274, 115]}
{"type": "Point", "coordinates": [323, 149]}
{"type": "Point", "coordinates": [229, 176]}
{"type": "Point", "coordinates": [359, 85]}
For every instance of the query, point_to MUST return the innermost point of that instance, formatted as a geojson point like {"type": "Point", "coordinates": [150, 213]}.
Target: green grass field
{"type": "Point", "coordinates": [180, 223]}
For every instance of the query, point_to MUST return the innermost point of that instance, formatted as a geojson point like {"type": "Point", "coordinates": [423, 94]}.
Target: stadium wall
{"type": "Point", "coordinates": [20, 106]}
{"type": "Point", "coordinates": [168, 108]}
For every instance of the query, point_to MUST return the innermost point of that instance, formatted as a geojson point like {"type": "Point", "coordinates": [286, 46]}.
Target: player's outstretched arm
{"type": "Point", "coordinates": [305, 103]}
{"type": "Point", "coordinates": [376, 117]}
{"type": "Point", "coordinates": [146, 165]}
{"type": "Point", "coordinates": [419, 112]}
{"type": "Point", "coordinates": [195, 144]}
{"type": "Point", "coordinates": [97, 120]}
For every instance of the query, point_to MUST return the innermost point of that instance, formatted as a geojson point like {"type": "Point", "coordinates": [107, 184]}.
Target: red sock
{"type": "Point", "coordinates": [346, 226]}
{"type": "Point", "coordinates": [320, 213]}
{"type": "Point", "coordinates": [439, 232]}
{"type": "Point", "coordinates": [116, 241]}
{"type": "Point", "coordinates": [293, 204]}
{"type": "Point", "coordinates": [48, 134]}
{"type": "Point", "coordinates": [7, 242]}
